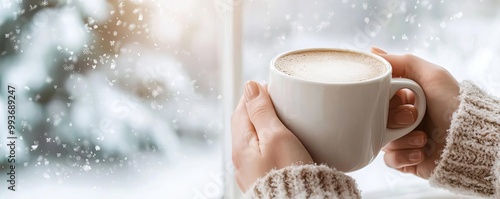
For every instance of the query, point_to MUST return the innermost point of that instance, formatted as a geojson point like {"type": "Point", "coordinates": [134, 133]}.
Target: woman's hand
{"type": "Point", "coordinates": [418, 151]}
{"type": "Point", "coordinates": [260, 140]}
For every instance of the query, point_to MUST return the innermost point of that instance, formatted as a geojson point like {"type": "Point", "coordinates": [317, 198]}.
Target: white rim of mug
{"type": "Point", "coordinates": [375, 79]}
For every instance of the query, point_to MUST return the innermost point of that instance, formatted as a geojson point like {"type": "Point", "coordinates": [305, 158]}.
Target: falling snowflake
{"type": "Point", "coordinates": [87, 167]}
{"type": "Point", "coordinates": [365, 5]}
{"type": "Point", "coordinates": [320, 27]}
{"type": "Point", "coordinates": [131, 27]}
{"type": "Point", "coordinates": [404, 37]}
{"type": "Point", "coordinates": [155, 92]}
{"type": "Point", "coordinates": [331, 14]}
{"type": "Point", "coordinates": [24, 124]}
{"type": "Point", "coordinates": [458, 15]}
{"type": "Point", "coordinates": [91, 20]}
{"type": "Point", "coordinates": [443, 24]}
{"type": "Point", "coordinates": [86, 51]}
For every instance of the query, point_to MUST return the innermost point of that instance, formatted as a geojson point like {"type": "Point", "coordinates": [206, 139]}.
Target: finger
{"type": "Point", "coordinates": [261, 110]}
{"type": "Point", "coordinates": [407, 96]}
{"type": "Point", "coordinates": [402, 116]}
{"type": "Point", "coordinates": [409, 169]}
{"type": "Point", "coordinates": [242, 131]}
{"type": "Point", "coordinates": [407, 66]}
{"type": "Point", "coordinates": [404, 66]}
{"type": "Point", "coordinates": [410, 96]}
{"type": "Point", "coordinates": [396, 100]}
{"type": "Point", "coordinates": [413, 140]}
{"type": "Point", "coordinates": [400, 98]}
{"type": "Point", "coordinates": [403, 158]}
{"type": "Point", "coordinates": [377, 50]}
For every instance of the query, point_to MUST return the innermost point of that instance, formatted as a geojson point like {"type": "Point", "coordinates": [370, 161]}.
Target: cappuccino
{"type": "Point", "coordinates": [330, 66]}
{"type": "Point", "coordinates": [335, 102]}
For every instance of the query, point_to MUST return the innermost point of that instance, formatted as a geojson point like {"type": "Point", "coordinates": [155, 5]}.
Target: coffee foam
{"type": "Point", "coordinates": [330, 66]}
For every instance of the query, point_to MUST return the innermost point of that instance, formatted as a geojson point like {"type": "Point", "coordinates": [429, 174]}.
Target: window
{"type": "Point", "coordinates": [114, 98]}
{"type": "Point", "coordinates": [131, 98]}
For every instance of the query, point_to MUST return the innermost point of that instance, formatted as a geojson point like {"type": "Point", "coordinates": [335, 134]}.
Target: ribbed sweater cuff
{"type": "Point", "coordinates": [305, 181]}
{"type": "Point", "coordinates": [472, 145]}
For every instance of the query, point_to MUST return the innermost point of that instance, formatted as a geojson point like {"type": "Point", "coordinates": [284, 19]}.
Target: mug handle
{"type": "Point", "coordinates": [420, 105]}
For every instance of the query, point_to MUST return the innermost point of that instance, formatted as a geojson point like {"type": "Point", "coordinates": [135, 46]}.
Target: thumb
{"type": "Point", "coordinates": [407, 66]}
{"type": "Point", "coordinates": [261, 110]}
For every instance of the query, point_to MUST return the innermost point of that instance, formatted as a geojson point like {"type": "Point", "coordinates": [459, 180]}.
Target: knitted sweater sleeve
{"type": "Point", "coordinates": [305, 181]}
{"type": "Point", "coordinates": [469, 163]}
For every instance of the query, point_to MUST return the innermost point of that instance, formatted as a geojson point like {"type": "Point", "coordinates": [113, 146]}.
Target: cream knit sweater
{"type": "Point", "coordinates": [469, 164]}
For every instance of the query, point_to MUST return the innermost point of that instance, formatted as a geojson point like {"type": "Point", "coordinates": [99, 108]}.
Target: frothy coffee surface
{"type": "Point", "coordinates": [330, 66]}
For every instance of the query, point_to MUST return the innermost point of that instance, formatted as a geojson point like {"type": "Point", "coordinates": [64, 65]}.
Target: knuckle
{"type": "Point", "coordinates": [236, 160]}
{"type": "Point", "coordinates": [389, 160]}
{"type": "Point", "coordinates": [441, 72]}
{"type": "Point", "coordinates": [420, 133]}
{"type": "Point", "coordinates": [279, 137]}
{"type": "Point", "coordinates": [395, 160]}
{"type": "Point", "coordinates": [247, 135]}
{"type": "Point", "coordinates": [390, 146]}
{"type": "Point", "coordinates": [259, 111]}
{"type": "Point", "coordinates": [276, 124]}
{"type": "Point", "coordinates": [409, 57]}
{"type": "Point", "coordinates": [400, 159]}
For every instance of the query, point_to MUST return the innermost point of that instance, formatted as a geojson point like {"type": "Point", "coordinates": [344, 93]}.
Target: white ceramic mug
{"type": "Point", "coordinates": [341, 124]}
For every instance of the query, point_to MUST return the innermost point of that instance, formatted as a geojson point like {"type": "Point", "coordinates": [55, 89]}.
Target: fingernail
{"type": "Point", "coordinates": [251, 91]}
{"type": "Point", "coordinates": [404, 117]}
{"type": "Point", "coordinates": [415, 156]}
{"type": "Point", "coordinates": [378, 50]}
{"type": "Point", "coordinates": [416, 141]}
